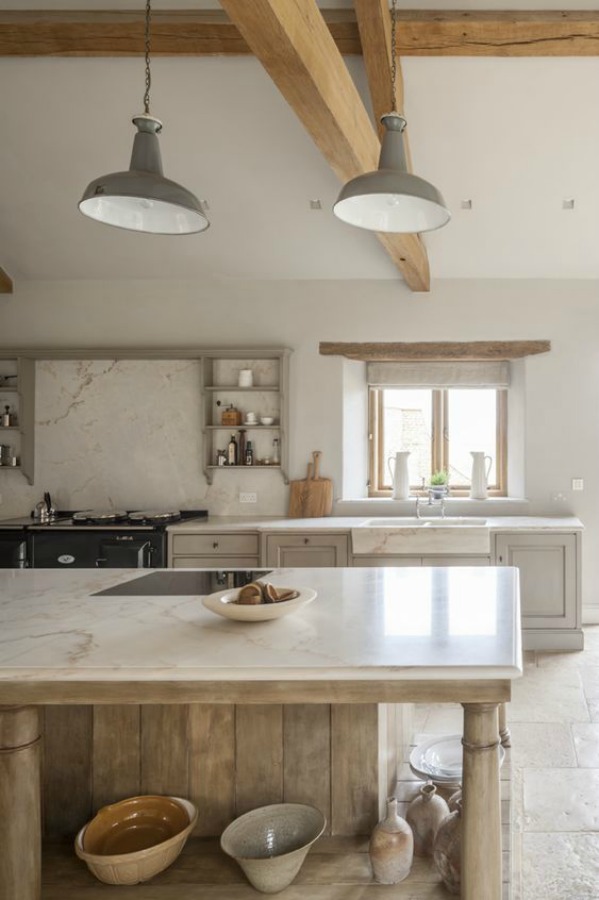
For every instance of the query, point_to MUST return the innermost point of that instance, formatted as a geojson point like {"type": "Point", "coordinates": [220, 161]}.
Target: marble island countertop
{"type": "Point", "coordinates": [346, 523]}
{"type": "Point", "coordinates": [365, 624]}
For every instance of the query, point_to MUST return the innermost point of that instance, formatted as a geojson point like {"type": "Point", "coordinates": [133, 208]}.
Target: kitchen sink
{"type": "Point", "coordinates": [396, 522]}
{"type": "Point", "coordinates": [458, 521]}
{"type": "Point", "coordinates": [466, 535]}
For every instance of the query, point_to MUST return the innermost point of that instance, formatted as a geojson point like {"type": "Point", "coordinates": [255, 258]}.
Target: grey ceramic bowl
{"type": "Point", "coordinates": [270, 843]}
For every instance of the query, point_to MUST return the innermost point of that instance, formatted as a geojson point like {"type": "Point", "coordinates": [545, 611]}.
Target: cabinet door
{"type": "Point", "coordinates": [455, 560]}
{"type": "Point", "coordinates": [384, 561]}
{"type": "Point", "coordinates": [307, 550]}
{"type": "Point", "coordinates": [548, 586]}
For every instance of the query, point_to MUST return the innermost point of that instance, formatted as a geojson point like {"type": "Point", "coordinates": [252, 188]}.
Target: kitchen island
{"type": "Point", "coordinates": [372, 636]}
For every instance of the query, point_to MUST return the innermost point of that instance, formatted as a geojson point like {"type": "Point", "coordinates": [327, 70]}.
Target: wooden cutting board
{"type": "Point", "coordinates": [312, 496]}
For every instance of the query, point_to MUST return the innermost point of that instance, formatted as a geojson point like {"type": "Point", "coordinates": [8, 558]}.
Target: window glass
{"type": "Point", "coordinates": [439, 427]}
{"type": "Point", "coordinates": [407, 425]}
{"type": "Point", "coordinates": [471, 425]}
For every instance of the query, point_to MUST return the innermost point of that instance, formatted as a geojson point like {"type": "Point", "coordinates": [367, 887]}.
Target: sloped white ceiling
{"type": "Point", "coordinates": [516, 136]}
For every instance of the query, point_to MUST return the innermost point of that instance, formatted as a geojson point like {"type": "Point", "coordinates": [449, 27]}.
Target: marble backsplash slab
{"type": "Point", "coordinates": [127, 433]}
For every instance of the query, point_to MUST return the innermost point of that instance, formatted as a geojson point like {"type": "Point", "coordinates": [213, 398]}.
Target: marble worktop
{"type": "Point", "coordinates": [365, 624]}
{"type": "Point", "coordinates": [346, 523]}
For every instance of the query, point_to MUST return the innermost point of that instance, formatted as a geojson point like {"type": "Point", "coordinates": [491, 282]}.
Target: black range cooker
{"type": "Point", "coordinates": [101, 538]}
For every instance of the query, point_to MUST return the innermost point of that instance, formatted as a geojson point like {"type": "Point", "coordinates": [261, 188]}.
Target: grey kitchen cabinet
{"type": "Point", "coordinates": [214, 550]}
{"type": "Point", "coordinates": [382, 561]}
{"type": "Point", "coordinates": [305, 550]}
{"type": "Point", "coordinates": [385, 561]}
{"type": "Point", "coordinates": [456, 560]}
{"type": "Point", "coordinates": [550, 590]}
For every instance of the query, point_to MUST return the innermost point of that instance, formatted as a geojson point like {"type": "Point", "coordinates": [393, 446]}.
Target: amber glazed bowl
{"type": "Point", "coordinates": [131, 841]}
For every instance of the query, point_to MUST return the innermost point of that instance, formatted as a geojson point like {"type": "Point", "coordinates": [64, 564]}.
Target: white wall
{"type": "Point", "coordinates": [561, 387]}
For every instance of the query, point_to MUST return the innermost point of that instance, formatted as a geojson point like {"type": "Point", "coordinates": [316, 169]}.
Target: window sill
{"type": "Point", "coordinates": [455, 506]}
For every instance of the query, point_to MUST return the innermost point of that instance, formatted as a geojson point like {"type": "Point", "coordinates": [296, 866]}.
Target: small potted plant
{"type": "Point", "coordinates": [439, 485]}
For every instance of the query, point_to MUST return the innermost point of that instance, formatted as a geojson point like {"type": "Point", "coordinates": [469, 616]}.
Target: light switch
{"type": "Point", "coordinates": [577, 484]}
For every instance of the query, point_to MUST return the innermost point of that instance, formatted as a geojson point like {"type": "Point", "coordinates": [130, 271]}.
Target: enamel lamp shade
{"type": "Point", "coordinates": [142, 199]}
{"type": "Point", "coordinates": [391, 199]}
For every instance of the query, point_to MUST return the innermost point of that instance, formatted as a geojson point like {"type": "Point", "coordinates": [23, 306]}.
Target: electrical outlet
{"type": "Point", "coordinates": [558, 496]}
{"type": "Point", "coordinates": [577, 484]}
{"type": "Point", "coordinates": [248, 498]}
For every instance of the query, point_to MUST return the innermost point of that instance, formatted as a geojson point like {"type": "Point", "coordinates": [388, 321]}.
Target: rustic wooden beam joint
{"type": "Point", "coordinates": [435, 351]}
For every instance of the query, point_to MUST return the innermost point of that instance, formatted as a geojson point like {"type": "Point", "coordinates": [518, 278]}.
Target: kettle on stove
{"type": "Point", "coordinates": [44, 511]}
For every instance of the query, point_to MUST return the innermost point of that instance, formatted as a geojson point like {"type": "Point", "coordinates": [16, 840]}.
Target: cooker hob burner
{"type": "Point", "coordinates": [100, 516]}
{"type": "Point", "coordinates": [154, 515]}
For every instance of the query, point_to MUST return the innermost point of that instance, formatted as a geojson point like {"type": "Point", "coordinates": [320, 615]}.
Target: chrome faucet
{"type": "Point", "coordinates": [441, 500]}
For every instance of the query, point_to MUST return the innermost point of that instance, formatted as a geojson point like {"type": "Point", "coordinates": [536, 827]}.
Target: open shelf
{"type": "Point", "coordinates": [333, 865]}
{"type": "Point", "coordinates": [220, 373]}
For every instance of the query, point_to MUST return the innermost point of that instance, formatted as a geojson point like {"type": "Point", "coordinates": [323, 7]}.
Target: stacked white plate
{"type": "Point", "coordinates": [439, 759]}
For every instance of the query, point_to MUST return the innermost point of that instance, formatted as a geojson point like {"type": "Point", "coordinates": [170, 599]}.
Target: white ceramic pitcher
{"type": "Point", "coordinates": [400, 477]}
{"type": "Point", "coordinates": [481, 466]}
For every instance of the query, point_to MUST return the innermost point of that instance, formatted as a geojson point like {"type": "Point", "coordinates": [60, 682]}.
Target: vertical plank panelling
{"type": "Point", "coordinates": [307, 756]}
{"type": "Point", "coordinates": [212, 765]}
{"type": "Point", "coordinates": [258, 755]}
{"type": "Point", "coordinates": [395, 734]}
{"type": "Point", "coordinates": [66, 768]}
{"type": "Point", "coordinates": [164, 750]}
{"type": "Point", "coordinates": [116, 754]}
{"type": "Point", "coordinates": [354, 768]}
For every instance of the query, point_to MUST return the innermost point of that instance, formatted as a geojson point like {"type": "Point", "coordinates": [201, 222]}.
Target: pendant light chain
{"type": "Point", "coordinates": [147, 50]}
{"type": "Point", "coordinates": [394, 53]}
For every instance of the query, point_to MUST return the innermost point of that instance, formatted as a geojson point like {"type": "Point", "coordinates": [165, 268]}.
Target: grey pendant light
{"type": "Point", "coordinates": [142, 199]}
{"type": "Point", "coordinates": [392, 199]}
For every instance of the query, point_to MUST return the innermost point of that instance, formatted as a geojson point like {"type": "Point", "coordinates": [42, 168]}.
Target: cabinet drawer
{"type": "Point", "coordinates": [211, 562]}
{"type": "Point", "coordinates": [215, 544]}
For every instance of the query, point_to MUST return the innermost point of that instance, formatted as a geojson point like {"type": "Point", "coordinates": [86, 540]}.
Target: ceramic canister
{"type": "Point", "coordinates": [447, 850]}
{"type": "Point", "coordinates": [391, 847]}
{"type": "Point", "coordinates": [424, 816]}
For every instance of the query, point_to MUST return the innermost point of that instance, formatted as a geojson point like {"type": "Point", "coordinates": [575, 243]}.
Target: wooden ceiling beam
{"type": "Point", "coordinates": [6, 285]}
{"type": "Point", "coordinates": [210, 32]}
{"type": "Point", "coordinates": [295, 47]}
{"type": "Point", "coordinates": [434, 351]}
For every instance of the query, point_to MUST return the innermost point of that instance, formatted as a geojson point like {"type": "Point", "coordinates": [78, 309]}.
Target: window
{"type": "Point", "coordinates": [439, 426]}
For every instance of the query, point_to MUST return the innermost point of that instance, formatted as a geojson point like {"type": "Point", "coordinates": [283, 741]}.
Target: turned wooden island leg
{"type": "Point", "coordinates": [20, 814]}
{"type": "Point", "coordinates": [504, 731]}
{"type": "Point", "coordinates": [481, 828]}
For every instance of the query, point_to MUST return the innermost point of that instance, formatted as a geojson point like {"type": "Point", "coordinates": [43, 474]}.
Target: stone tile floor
{"type": "Point", "coordinates": [554, 721]}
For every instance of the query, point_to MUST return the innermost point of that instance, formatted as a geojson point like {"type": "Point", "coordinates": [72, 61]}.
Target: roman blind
{"type": "Point", "coordinates": [484, 374]}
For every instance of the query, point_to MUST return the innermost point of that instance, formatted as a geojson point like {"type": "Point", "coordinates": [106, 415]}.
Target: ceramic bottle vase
{"type": "Point", "coordinates": [400, 477]}
{"type": "Point", "coordinates": [480, 474]}
{"type": "Point", "coordinates": [391, 848]}
{"type": "Point", "coordinates": [424, 816]}
{"type": "Point", "coordinates": [447, 850]}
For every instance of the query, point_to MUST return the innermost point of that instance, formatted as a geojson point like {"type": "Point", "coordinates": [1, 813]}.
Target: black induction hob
{"type": "Point", "coordinates": [173, 582]}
